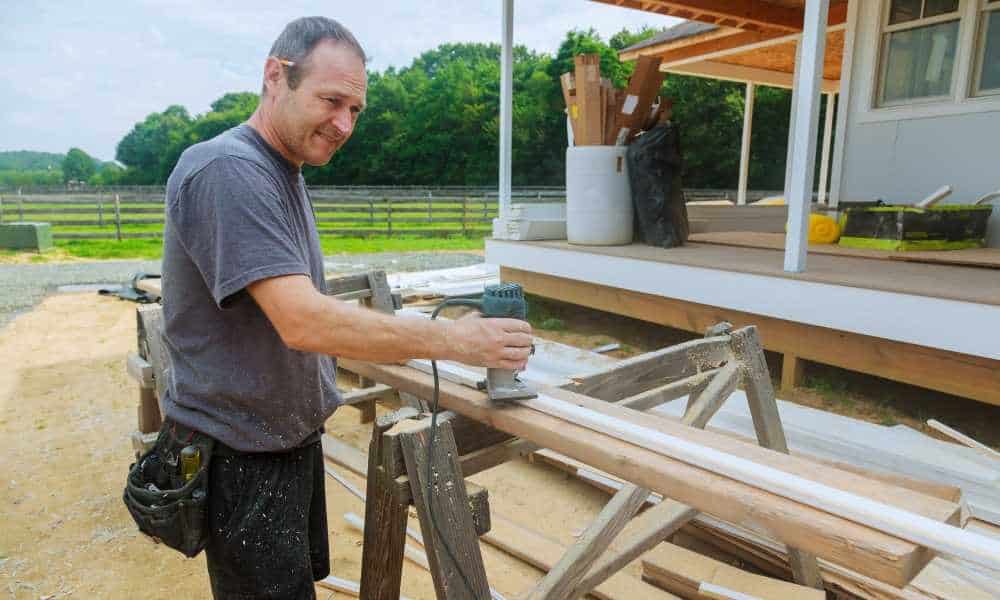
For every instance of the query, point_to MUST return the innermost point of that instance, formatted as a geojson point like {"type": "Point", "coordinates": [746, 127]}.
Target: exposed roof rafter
{"type": "Point", "coordinates": [757, 14]}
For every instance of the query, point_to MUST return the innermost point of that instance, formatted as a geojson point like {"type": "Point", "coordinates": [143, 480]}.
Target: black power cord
{"type": "Point", "coordinates": [430, 446]}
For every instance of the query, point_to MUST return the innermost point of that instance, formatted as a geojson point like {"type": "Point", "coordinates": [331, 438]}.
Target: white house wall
{"type": "Point", "coordinates": [902, 154]}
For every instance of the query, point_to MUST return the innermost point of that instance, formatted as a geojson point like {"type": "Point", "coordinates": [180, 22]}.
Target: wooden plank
{"type": "Point", "coordinates": [714, 395]}
{"type": "Point", "coordinates": [654, 397]}
{"type": "Point", "coordinates": [140, 370]}
{"type": "Point", "coordinates": [492, 456]}
{"type": "Point", "coordinates": [563, 578]}
{"type": "Point", "coordinates": [588, 97]}
{"type": "Point", "coordinates": [951, 372]}
{"type": "Point", "coordinates": [652, 369]}
{"type": "Point", "coordinates": [975, 257]}
{"type": "Point", "coordinates": [641, 430]}
{"type": "Point", "coordinates": [868, 551]}
{"type": "Point", "coordinates": [543, 554]}
{"type": "Point", "coordinates": [767, 423]}
{"type": "Point", "coordinates": [386, 514]}
{"type": "Point", "coordinates": [367, 394]}
{"type": "Point", "coordinates": [962, 438]}
{"type": "Point", "coordinates": [381, 298]}
{"type": "Point", "coordinates": [643, 87]}
{"type": "Point", "coordinates": [638, 536]}
{"type": "Point", "coordinates": [443, 507]}
{"type": "Point", "coordinates": [355, 461]}
{"type": "Point", "coordinates": [345, 455]}
{"type": "Point", "coordinates": [681, 571]}
{"type": "Point", "coordinates": [347, 283]}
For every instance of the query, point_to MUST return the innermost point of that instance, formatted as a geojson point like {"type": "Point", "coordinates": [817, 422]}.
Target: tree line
{"type": "Point", "coordinates": [436, 122]}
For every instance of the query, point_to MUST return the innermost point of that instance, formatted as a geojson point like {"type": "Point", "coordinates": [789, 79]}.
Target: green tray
{"type": "Point", "coordinates": [946, 227]}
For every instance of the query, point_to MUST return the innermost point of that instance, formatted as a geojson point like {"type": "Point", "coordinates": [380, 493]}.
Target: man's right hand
{"type": "Point", "coordinates": [494, 342]}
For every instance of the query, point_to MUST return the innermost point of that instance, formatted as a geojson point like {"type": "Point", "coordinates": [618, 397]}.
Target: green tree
{"type": "Point", "coordinates": [144, 149]}
{"type": "Point", "coordinates": [241, 102]}
{"type": "Point", "coordinates": [77, 166]}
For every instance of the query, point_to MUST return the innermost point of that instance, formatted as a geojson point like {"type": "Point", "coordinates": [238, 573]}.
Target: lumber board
{"type": "Point", "coordinates": [699, 411]}
{"type": "Point", "coordinates": [974, 257]}
{"type": "Point", "coordinates": [951, 372]}
{"type": "Point", "coordinates": [366, 394]}
{"type": "Point", "coordinates": [681, 571]}
{"type": "Point", "coordinates": [654, 397]}
{"type": "Point", "coordinates": [934, 508]}
{"type": "Point", "coordinates": [630, 426]}
{"type": "Point", "coordinates": [642, 88]}
{"type": "Point", "coordinates": [140, 370]}
{"type": "Point", "coordinates": [568, 83]}
{"type": "Point", "coordinates": [639, 373]}
{"type": "Point", "coordinates": [588, 98]}
{"type": "Point", "coordinates": [386, 513]}
{"type": "Point", "coordinates": [870, 552]}
{"type": "Point", "coordinates": [543, 553]}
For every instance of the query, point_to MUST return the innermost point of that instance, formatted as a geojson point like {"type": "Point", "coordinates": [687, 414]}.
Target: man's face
{"type": "Point", "coordinates": [316, 119]}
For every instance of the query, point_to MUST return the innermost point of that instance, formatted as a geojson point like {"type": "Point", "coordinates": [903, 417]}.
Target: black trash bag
{"type": "Point", "coordinates": [654, 172]}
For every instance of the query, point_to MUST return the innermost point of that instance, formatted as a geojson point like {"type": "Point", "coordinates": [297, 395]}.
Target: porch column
{"type": "Point", "coordinates": [805, 117]}
{"type": "Point", "coordinates": [506, 106]}
{"type": "Point", "coordinates": [824, 161]}
{"type": "Point", "coordinates": [741, 192]}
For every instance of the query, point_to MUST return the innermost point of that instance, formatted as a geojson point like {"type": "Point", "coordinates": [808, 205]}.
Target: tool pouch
{"type": "Point", "coordinates": [166, 508]}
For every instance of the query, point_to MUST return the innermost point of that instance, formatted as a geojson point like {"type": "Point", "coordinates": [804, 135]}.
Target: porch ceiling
{"type": "Point", "coordinates": [750, 36]}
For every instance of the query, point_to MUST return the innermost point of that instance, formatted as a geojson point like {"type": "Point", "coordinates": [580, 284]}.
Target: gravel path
{"type": "Point", "coordinates": [23, 286]}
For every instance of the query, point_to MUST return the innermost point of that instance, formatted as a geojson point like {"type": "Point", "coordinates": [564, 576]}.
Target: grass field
{"type": "Point", "coordinates": [147, 249]}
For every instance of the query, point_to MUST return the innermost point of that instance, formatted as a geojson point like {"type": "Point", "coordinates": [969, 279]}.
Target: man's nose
{"type": "Point", "coordinates": [342, 122]}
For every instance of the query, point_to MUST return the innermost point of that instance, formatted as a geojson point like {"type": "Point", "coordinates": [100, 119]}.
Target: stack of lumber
{"type": "Point", "coordinates": [444, 283]}
{"type": "Point", "coordinates": [600, 114]}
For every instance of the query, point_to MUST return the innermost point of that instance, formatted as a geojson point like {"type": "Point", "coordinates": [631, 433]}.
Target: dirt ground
{"type": "Point", "coordinates": [66, 411]}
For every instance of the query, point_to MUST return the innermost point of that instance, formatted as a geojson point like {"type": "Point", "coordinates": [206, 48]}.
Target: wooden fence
{"type": "Point", "coordinates": [137, 211]}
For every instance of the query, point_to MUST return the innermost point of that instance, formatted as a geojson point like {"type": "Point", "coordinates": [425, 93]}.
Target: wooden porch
{"type": "Point", "coordinates": [930, 325]}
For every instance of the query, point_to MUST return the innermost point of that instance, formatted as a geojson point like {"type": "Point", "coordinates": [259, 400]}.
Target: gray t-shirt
{"type": "Point", "coordinates": [238, 212]}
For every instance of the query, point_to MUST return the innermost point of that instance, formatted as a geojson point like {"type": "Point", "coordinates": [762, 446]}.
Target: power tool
{"type": "Point", "coordinates": [505, 300]}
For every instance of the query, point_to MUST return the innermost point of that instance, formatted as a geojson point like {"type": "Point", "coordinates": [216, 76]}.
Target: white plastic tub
{"type": "Point", "coordinates": [598, 198]}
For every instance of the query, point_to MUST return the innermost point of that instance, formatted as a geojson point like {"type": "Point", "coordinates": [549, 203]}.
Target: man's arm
{"type": "Point", "coordinates": [309, 321]}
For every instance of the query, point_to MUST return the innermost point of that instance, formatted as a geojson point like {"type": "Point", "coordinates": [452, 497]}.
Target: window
{"type": "Point", "coordinates": [987, 74]}
{"type": "Point", "coordinates": [919, 45]}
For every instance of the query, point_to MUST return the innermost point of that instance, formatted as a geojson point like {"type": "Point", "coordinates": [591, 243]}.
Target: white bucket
{"type": "Point", "coordinates": [598, 197]}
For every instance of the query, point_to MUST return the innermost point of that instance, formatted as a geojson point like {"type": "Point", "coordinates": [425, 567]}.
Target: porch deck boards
{"type": "Point", "coordinates": [949, 282]}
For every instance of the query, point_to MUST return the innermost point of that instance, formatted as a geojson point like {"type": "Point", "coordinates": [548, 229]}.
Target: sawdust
{"type": "Point", "coordinates": [66, 411]}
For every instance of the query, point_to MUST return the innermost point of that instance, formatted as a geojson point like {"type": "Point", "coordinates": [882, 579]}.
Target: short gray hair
{"type": "Point", "coordinates": [299, 37]}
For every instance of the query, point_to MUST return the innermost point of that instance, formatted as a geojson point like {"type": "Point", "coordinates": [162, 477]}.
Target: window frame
{"type": "Point", "coordinates": [983, 12]}
{"type": "Point", "coordinates": [884, 35]}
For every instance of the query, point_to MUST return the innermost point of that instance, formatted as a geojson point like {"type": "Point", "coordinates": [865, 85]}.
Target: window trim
{"type": "Point", "coordinates": [884, 33]}
{"type": "Point", "coordinates": [983, 12]}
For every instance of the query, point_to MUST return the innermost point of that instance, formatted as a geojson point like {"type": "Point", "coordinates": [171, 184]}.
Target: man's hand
{"type": "Point", "coordinates": [493, 342]}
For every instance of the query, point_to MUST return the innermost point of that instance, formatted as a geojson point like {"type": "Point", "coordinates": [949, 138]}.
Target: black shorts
{"type": "Point", "coordinates": [267, 523]}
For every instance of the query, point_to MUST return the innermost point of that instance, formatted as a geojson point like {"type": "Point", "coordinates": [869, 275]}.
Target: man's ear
{"type": "Point", "coordinates": [274, 74]}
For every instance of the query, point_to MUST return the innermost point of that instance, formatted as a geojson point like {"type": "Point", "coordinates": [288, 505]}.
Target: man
{"type": "Point", "coordinates": [250, 335]}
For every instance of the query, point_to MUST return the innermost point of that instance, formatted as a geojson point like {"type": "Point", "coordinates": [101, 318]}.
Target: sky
{"type": "Point", "coordinates": [81, 74]}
